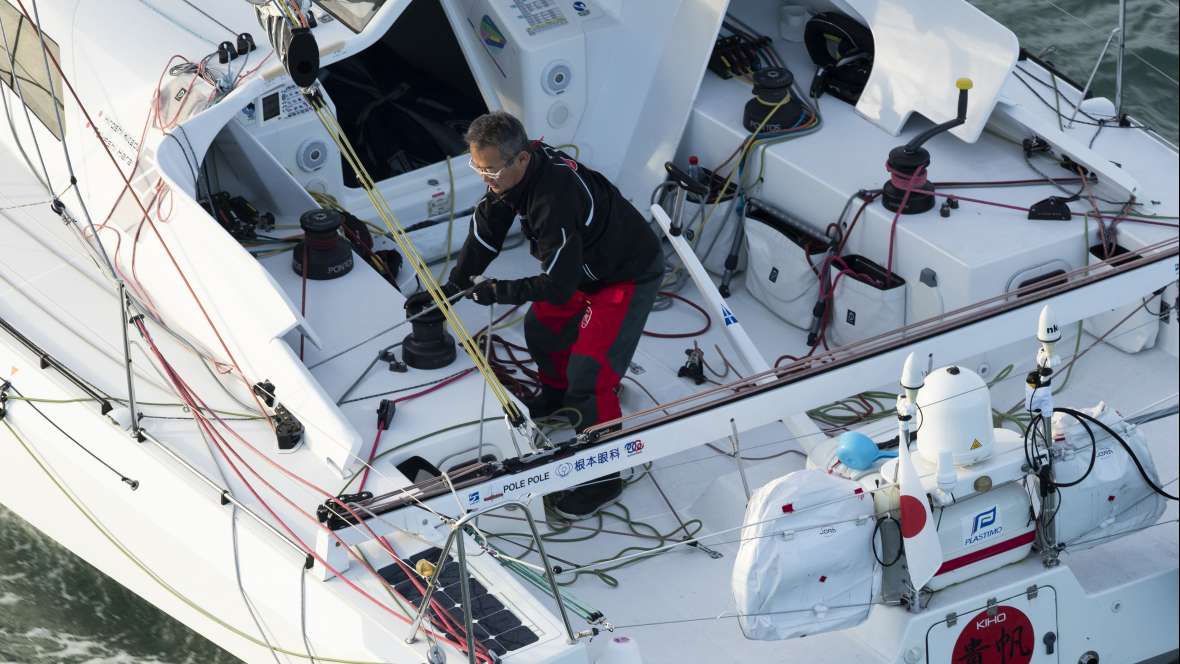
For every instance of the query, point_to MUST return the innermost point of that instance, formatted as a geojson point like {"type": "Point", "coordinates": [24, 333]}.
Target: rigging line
{"type": "Point", "coordinates": [591, 567]}
{"type": "Point", "coordinates": [206, 423]}
{"type": "Point", "coordinates": [566, 526]}
{"type": "Point", "coordinates": [1117, 325]}
{"type": "Point", "coordinates": [194, 399]}
{"type": "Point", "coordinates": [16, 79]}
{"type": "Point", "coordinates": [223, 445]}
{"type": "Point", "coordinates": [436, 381]}
{"type": "Point", "coordinates": [192, 170]}
{"type": "Point", "coordinates": [412, 256]}
{"type": "Point", "coordinates": [19, 146]}
{"type": "Point", "coordinates": [751, 615]}
{"type": "Point", "coordinates": [142, 566]}
{"type": "Point", "coordinates": [233, 528]}
{"type": "Point", "coordinates": [458, 425]}
{"type": "Point", "coordinates": [1077, 121]}
{"type": "Point", "coordinates": [1075, 105]}
{"type": "Point", "coordinates": [96, 339]}
{"type": "Point", "coordinates": [1149, 493]}
{"type": "Point", "coordinates": [303, 612]}
{"type": "Point", "coordinates": [393, 327]}
{"type": "Point", "coordinates": [134, 484]}
{"type": "Point", "coordinates": [146, 216]}
{"type": "Point", "coordinates": [1153, 404]}
{"type": "Point", "coordinates": [366, 464]}
{"type": "Point", "coordinates": [173, 21]}
{"type": "Point", "coordinates": [209, 16]}
{"type": "Point", "coordinates": [42, 302]}
{"type": "Point", "coordinates": [1133, 53]}
{"type": "Point", "coordinates": [62, 130]}
{"type": "Point", "coordinates": [1116, 535]}
{"type": "Point", "coordinates": [207, 428]}
{"type": "Point", "coordinates": [204, 408]}
{"type": "Point", "coordinates": [683, 526]}
{"type": "Point", "coordinates": [1012, 377]}
{"type": "Point", "coordinates": [731, 455]}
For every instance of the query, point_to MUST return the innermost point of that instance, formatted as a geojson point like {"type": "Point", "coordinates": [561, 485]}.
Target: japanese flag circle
{"type": "Point", "coordinates": [913, 516]}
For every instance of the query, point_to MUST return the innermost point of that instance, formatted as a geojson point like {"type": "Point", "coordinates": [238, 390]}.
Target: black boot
{"type": "Point", "coordinates": [584, 500]}
{"type": "Point", "coordinates": [546, 403]}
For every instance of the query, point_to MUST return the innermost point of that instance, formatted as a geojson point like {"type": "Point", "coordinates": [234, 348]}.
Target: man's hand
{"type": "Point", "coordinates": [422, 299]}
{"type": "Point", "coordinates": [485, 292]}
{"type": "Point", "coordinates": [450, 290]}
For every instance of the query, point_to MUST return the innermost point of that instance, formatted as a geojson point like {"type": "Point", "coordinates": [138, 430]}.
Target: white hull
{"type": "Point", "coordinates": [236, 571]}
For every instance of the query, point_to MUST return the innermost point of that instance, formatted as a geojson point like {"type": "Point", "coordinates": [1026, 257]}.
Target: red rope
{"type": "Point", "coordinates": [146, 214]}
{"type": "Point", "coordinates": [198, 407]}
{"type": "Point", "coordinates": [909, 185]}
{"type": "Point", "coordinates": [372, 455]}
{"type": "Point", "coordinates": [683, 335]}
{"type": "Point", "coordinates": [377, 440]}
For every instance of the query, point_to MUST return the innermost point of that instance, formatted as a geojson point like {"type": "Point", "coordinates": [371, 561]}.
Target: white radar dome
{"type": "Point", "coordinates": [955, 414]}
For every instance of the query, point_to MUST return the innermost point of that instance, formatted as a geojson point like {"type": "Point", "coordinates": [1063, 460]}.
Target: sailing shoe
{"type": "Point", "coordinates": [584, 500]}
{"type": "Point", "coordinates": [547, 402]}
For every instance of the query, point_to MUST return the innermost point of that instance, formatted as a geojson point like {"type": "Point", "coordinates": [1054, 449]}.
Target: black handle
{"type": "Point", "coordinates": [963, 84]}
{"type": "Point", "coordinates": [681, 178]}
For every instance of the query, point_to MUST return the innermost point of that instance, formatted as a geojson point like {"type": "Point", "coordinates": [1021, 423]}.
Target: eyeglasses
{"type": "Point", "coordinates": [490, 174]}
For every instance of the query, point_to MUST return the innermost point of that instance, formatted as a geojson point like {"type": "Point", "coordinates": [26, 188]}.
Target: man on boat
{"type": "Point", "coordinates": [600, 269]}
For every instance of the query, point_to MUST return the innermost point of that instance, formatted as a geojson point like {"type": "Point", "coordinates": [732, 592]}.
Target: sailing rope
{"type": "Point", "coordinates": [122, 548]}
{"type": "Point", "coordinates": [410, 252]}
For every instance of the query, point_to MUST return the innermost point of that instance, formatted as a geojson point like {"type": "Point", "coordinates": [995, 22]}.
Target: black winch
{"type": "Point", "coordinates": [328, 254]}
{"type": "Point", "coordinates": [771, 86]}
{"type": "Point", "coordinates": [907, 189]}
{"type": "Point", "coordinates": [428, 345]}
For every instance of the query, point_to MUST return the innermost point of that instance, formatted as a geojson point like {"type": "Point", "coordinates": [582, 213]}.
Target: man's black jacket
{"type": "Point", "coordinates": [578, 225]}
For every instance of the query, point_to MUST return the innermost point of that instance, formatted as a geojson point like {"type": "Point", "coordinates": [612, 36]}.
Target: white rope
{"type": "Point", "coordinates": [1153, 404]}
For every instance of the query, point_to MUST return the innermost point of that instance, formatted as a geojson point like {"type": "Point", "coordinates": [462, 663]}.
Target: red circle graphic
{"type": "Point", "coordinates": [913, 516]}
{"type": "Point", "coordinates": [1004, 635]}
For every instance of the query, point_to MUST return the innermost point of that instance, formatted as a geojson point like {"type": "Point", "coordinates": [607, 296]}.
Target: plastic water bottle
{"type": "Point", "coordinates": [694, 170]}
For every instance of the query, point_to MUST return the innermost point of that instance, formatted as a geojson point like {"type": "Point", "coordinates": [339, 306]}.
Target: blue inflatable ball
{"type": "Point", "coordinates": [856, 450]}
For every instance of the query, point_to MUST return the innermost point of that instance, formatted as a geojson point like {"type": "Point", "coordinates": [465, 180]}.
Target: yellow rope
{"type": "Point", "coordinates": [750, 141]}
{"type": "Point", "coordinates": [577, 150]}
{"type": "Point", "coordinates": [410, 252]}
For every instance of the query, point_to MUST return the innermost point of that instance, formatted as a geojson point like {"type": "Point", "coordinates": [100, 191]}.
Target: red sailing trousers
{"type": "Point", "coordinates": [584, 345]}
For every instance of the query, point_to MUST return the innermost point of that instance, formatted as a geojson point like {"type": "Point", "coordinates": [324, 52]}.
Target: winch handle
{"type": "Point", "coordinates": [681, 178]}
{"type": "Point", "coordinates": [963, 85]}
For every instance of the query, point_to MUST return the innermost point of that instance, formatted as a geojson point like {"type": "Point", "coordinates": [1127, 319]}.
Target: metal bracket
{"type": "Point", "coordinates": [455, 540]}
{"type": "Point", "coordinates": [992, 606]}
{"type": "Point", "coordinates": [125, 305]}
{"type": "Point", "coordinates": [1031, 592]}
{"type": "Point", "coordinates": [952, 619]}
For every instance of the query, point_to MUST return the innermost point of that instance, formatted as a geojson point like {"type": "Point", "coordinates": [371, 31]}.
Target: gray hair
{"type": "Point", "coordinates": [500, 130]}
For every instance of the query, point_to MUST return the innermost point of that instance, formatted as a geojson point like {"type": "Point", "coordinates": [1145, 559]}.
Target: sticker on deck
{"type": "Point", "coordinates": [1003, 637]}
